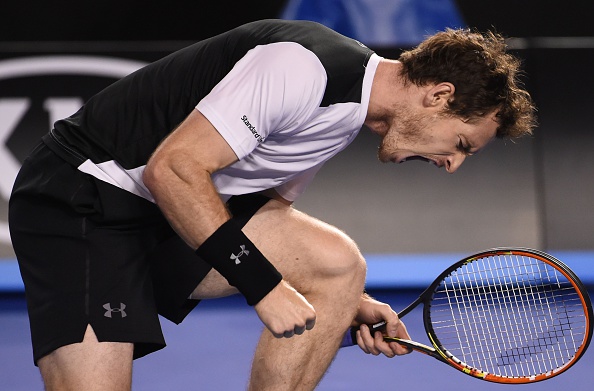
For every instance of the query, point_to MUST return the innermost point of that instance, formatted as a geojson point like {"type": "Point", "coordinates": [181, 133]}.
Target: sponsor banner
{"type": "Point", "coordinates": [36, 89]}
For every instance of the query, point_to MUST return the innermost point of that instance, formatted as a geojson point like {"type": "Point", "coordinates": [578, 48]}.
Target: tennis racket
{"type": "Point", "coordinates": [505, 315]}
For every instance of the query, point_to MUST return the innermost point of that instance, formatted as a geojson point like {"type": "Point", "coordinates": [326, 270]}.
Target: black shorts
{"type": "Point", "coordinates": [92, 254]}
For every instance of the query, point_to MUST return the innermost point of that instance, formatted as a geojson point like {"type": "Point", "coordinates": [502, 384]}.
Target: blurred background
{"type": "Point", "coordinates": [410, 220]}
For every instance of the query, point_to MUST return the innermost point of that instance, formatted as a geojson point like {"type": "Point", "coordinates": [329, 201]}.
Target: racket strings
{"type": "Point", "coordinates": [509, 315]}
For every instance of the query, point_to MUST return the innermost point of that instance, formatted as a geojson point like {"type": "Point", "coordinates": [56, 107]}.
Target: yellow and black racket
{"type": "Point", "coordinates": [505, 315]}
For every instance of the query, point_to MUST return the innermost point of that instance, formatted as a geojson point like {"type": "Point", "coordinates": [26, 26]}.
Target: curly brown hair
{"type": "Point", "coordinates": [484, 74]}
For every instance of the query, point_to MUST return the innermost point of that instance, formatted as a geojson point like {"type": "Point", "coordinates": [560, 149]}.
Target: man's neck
{"type": "Point", "coordinates": [387, 90]}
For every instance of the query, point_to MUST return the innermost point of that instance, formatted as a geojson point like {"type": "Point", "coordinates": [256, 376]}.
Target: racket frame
{"type": "Point", "coordinates": [438, 351]}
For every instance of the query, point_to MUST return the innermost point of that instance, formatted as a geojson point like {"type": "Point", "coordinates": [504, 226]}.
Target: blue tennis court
{"type": "Point", "coordinates": [212, 348]}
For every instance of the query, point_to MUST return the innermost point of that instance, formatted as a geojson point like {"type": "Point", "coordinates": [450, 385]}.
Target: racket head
{"type": "Point", "coordinates": [508, 315]}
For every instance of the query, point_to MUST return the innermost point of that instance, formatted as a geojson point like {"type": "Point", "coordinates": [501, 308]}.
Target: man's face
{"type": "Point", "coordinates": [437, 138]}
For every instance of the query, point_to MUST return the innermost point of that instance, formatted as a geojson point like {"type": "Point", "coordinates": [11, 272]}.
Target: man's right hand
{"type": "Point", "coordinates": [285, 312]}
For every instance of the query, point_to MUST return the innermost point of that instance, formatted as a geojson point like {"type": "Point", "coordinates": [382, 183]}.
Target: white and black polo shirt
{"type": "Point", "coordinates": [285, 95]}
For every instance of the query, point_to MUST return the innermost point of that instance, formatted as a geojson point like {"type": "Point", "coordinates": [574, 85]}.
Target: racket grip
{"type": "Point", "coordinates": [350, 338]}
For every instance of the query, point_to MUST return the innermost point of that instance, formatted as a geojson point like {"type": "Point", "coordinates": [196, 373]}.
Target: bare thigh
{"type": "Point", "coordinates": [304, 249]}
{"type": "Point", "coordinates": [90, 365]}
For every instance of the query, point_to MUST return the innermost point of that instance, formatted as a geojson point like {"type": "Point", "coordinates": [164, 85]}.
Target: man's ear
{"type": "Point", "coordinates": [439, 95]}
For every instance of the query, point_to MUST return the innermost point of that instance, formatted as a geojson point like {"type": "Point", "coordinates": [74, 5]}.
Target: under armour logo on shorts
{"type": "Point", "coordinates": [243, 251]}
{"type": "Point", "coordinates": [110, 311]}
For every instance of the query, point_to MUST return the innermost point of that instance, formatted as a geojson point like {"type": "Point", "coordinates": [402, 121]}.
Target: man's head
{"type": "Point", "coordinates": [485, 78]}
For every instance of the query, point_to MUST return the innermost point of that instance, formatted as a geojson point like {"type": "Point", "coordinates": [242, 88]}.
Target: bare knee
{"type": "Point", "coordinates": [340, 257]}
{"type": "Point", "coordinates": [337, 264]}
{"type": "Point", "coordinates": [89, 365]}
{"type": "Point", "coordinates": [312, 256]}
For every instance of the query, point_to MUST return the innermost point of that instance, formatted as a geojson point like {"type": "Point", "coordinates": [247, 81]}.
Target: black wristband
{"type": "Point", "coordinates": [233, 255]}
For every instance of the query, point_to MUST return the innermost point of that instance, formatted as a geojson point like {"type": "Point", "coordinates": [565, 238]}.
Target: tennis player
{"type": "Point", "coordinates": [175, 185]}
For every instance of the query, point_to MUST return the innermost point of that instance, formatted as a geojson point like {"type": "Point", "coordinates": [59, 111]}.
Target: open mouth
{"type": "Point", "coordinates": [420, 158]}
{"type": "Point", "coordinates": [410, 158]}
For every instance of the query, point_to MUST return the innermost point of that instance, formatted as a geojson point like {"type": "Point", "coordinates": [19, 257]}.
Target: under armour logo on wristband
{"type": "Point", "coordinates": [243, 251]}
{"type": "Point", "coordinates": [110, 311]}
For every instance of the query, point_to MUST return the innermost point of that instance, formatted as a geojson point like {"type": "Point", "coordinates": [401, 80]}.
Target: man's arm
{"type": "Point", "coordinates": [179, 178]}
